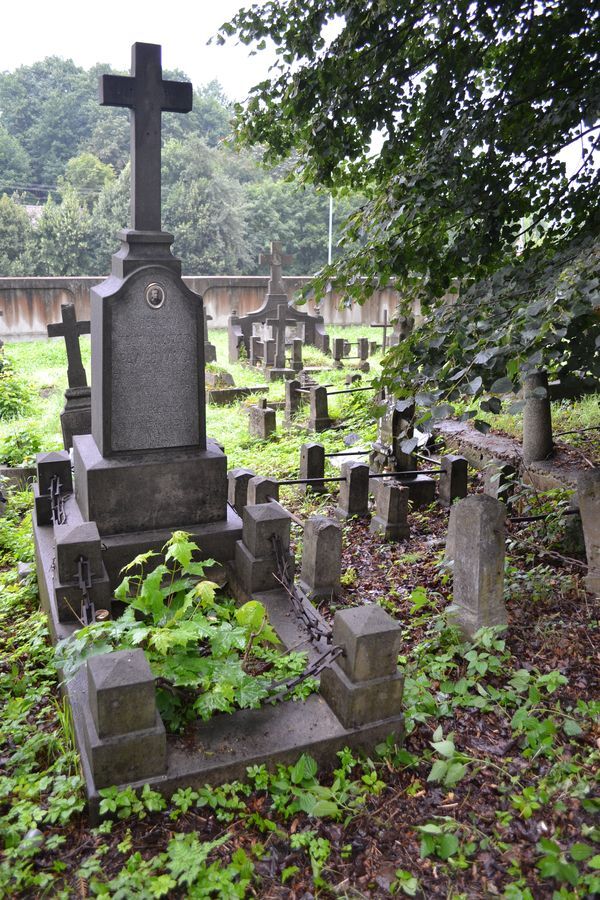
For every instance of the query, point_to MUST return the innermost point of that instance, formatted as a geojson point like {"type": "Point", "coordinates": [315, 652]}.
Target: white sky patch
{"type": "Point", "coordinates": [89, 33]}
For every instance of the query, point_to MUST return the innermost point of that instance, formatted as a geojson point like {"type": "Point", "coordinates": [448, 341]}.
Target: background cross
{"type": "Point", "coordinates": [70, 329]}
{"type": "Point", "coordinates": [147, 96]}
{"type": "Point", "coordinates": [384, 325]}
{"type": "Point", "coordinates": [276, 258]}
{"type": "Point", "coordinates": [278, 325]}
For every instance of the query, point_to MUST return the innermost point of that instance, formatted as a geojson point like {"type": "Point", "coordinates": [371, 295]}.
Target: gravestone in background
{"type": "Point", "coordinates": [76, 417]}
{"type": "Point", "coordinates": [241, 328]}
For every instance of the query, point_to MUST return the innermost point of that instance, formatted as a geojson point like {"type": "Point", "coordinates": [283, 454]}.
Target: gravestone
{"type": "Point", "coordinates": [76, 417]}
{"type": "Point", "coordinates": [393, 429]}
{"type": "Point", "coordinates": [240, 328]}
{"type": "Point", "coordinates": [147, 468]}
{"type": "Point", "coordinates": [537, 418]}
{"type": "Point", "coordinates": [278, 326]}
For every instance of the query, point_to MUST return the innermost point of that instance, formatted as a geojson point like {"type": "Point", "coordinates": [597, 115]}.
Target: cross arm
{"type": "Point", "coordinates": [117, 90]}
{"type": "Point", "coordinates": [177, 96]}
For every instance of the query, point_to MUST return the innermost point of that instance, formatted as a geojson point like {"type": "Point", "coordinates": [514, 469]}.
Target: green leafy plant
{"type": "Point", "coordinates": [197, 646]}
{"type": "Point", "coordinates": [20, 447]}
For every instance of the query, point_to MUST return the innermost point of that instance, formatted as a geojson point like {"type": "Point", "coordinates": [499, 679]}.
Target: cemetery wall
{"type": "Point", "coordinates": [30, 304]}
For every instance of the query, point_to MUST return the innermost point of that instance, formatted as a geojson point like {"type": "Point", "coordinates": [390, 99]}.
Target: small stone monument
{"type": "Point", "coordinates": [210, 351]}
{"type": "Point", "coordinates": [76, 417]}
{"type": "Point", "coordinates": [311, 329]}
{"type": "Point", "coordinates": [278, 326]}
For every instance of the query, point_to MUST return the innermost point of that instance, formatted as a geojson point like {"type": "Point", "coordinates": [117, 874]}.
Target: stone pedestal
{"type": "Point", "coordinates": [255, 562]}
{"type": "Point", "coordinates": [312, 465]}
{"type": "Point", "coordinates": [76, 417]}
{"type": "Point", "coordinates": [353, 498]}
{"type": "Point", "coordinates": [364, 685]}
{"type": "Point", "coordinates": [321, 558]}
{"type": "Point", "coordinates": [124, 735]}
{"type": "Point", "coordinates": [318, 419]}
{"type": "Point", "coordinates": [390, 520]}
{"type": "Point", "coordinates": [453, 480]}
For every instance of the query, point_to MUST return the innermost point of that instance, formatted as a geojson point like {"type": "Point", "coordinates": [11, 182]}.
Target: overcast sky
{"type": "Point", "coordinates": [90, 33]}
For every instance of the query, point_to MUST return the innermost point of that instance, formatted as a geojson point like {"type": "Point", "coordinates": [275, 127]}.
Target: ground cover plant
{"type": "Point", "coordinates": [492, 794]}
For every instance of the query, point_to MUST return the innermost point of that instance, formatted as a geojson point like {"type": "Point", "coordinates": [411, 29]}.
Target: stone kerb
{"type": "Point", "coordinates": [255, 561]}
{"type": "Point", "coordinates": [363, 685]}
{"type": "Point", "coordinates": [262, 490]}
{"type": "Point", "coordinates": [588, 493]}
{"type": "Point", "coordinates": [475, 546]}
{"type": "Point", "coordinates": [237, 488]}
{"type": "Point", "coordinates": [321, 558]}
{"type": "Point", "coordinates": [123, 732]}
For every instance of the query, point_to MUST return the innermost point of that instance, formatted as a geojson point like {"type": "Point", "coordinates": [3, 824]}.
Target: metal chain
{"type": "Point", "coordinates": [311, 671]}
{"type": "Point", "coordinates": [304, 610]}
{"type": "Point", "coordinates": [316, 627]}
{"type": "Point", "coordinates": [84, 583]}
{"type": "Point", "coordinates": [57, 502]}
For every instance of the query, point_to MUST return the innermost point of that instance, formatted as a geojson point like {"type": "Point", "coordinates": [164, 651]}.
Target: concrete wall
{"type": "Point", "coordinates": [30, 304]}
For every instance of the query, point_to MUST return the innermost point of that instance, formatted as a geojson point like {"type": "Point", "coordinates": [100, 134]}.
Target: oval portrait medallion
{"type": "Point", "coordinates": [155, 295]}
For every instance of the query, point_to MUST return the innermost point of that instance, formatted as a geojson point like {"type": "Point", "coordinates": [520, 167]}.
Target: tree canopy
{"type": "Point", "coordinates": [476, 105]}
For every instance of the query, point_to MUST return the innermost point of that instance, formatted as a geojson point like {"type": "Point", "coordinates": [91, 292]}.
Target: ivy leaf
{"type": "Point", "coordinates": [502, 386]}
{"type": "Point", "coordinates": [482, 426]}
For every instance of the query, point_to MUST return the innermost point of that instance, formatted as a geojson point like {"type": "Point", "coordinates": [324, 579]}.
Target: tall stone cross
{"type": "Point", "coordinates": [276, 259]}
{"type": "Point", "coordinates": [278, 325]}
{"type": "Point", "coordinates": [385, 325]}
{"type": "Point", "coordinates": [70, 329]}
{"type": "Point", "coordinates": [147, 95]}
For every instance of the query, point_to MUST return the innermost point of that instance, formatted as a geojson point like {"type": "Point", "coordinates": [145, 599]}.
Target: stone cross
{"type": "Point", "coordinates": [385, 326]}
{"type": "Point", "coordinates": [147, 95]}
{"type": "Point", "coordinates": [70, 329]}
{"type": "Point", "coordinates": [207, 319]}
{"type": "Point", "coordinates": [278, 325]}
{"type": "Point", "coordinates": [276, 259]}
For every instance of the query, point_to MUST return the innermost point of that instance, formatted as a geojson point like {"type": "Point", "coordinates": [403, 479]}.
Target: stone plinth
{"type": "Point", "coordinates": [146, 491]}
{"type": "Point", "coordinates": [312, 465]}
{"type": "Point", "coordinates": [321, 558]}
{"type": "Point", "coordinates": [390, 520]}
{"type": "Point", "coordinates": [453, 480]}
{"type": "Point", "coordinates": [353, 498]}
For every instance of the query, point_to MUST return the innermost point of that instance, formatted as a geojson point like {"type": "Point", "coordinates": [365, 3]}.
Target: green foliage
{"type": "Point", "coordinates": [15, 394]}
{"type": "Point", "coordinates": [20, 447]}
{"type": "Point", "coordinates": [63, 237]}
{"type": "Point", "coordinates": [85, 175]}
{"type": "Point", "coordinates": [16, 237]}
{"type": "Point", "coordinates": [476, 107]}
{"type": "Point", "coordinates": [197, 645]}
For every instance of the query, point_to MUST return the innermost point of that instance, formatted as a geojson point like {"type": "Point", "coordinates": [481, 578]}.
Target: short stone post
{"type": "Point", "coordinates": [588, 493]}
{"type": "Point", "coordinates": [51, 466]}
{"type": "Point", "coordinates": [453, 480]}
{"type": "Point", "coordinates": [262, 422]}
{"type": "Point", "coordinates": [318, 419]}
{"type": "Point", "coordinates": [339, 345]}
{"type": "Point", "coordinates": [321, 558]}
{"type": "Point", "coordinates": [364, 684]}
{"type": "Point", "coordinates": [255, 562]}
{"type": "Point", "coordinates": [262, 490]}
{"type": "Point", "coordinates": [477, 550]}
{"type": "Point", "coordinates": [537, 418]}
{"type": "Point", "coordinates": [123, 732]}
{"type": "Point", "coordinates": [297, 354]}
{"type": "Point", "coordinates": [293, 398]}
{"type": "Point", "coordinates": [353, 498]}
{"type": "Point", "coordinates": [362, 348]}
{"type": "Point", "coordinates": [74, 542]}
{"type": "Point", "coordinates": [499, 480]}
{"type": "Point", "coordinates": [312, 465]}
{"type": "Point", "coordinates": [237, 488]}
{"type": "Point", "coordinates": [390, 520]}
{"type": "Point", "coordinates": [353, 377]}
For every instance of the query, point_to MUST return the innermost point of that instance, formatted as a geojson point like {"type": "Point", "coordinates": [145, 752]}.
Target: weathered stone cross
{"type": "Point", "coordinates": [385, 326]}
{"type": "Point", "coordinates": [147, 96]}
{"type": "Point", "coordinates": [70, 329]}
{"type": "Point", "coordinates": [278, 325]}
{"type": "Point", "coordinates": [276, 258]}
